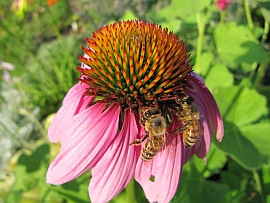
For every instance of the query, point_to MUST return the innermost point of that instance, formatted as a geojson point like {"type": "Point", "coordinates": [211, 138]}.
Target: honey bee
{"type": "Point", "coordinates": [189, 114]}
{"type": "Point", "coordinates": [155, 127]}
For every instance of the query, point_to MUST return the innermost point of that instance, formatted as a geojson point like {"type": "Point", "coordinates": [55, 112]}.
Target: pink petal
{"type": "Point", "coordinates": [76, 91]}
{"type": "Point", "coordinates": [84, 143]}
{"type": "Point", "coordinates": [73, 103]}
{"type": "Point", "coordinates": [116, 168]}
{"type": "Point", "coordinates": [211, 107]}
{"type": "Point", "coordinates": [206, 138]}
{"type": "Point", "coordinates": [196, 75]}
{"type": "Point", "coordinates": [166, 167]}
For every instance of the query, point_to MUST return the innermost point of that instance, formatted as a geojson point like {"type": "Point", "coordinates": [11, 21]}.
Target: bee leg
{"type": "Point", "coordinates": [138, 142]}
{"type": "Point", "coordinates": [179, 130]}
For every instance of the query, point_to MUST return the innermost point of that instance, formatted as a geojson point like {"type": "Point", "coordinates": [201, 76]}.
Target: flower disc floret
{"type": "Point", "coordinates": [135, 63]}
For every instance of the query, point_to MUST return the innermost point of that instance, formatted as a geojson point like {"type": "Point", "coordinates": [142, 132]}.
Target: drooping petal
{"type": "Point", "coordinates": [73, 102]}
{"type": "Point", "coordinates": [202, 146]}
{"type": "Point", "coordinates": [211, 107]}
{"type": "Point", "coordinates": [199, 77]}
{"type": "Point", "coordinates": [165, 168]}
{"type": "Point", "coordinates": [85, 142]}
{"type": "Point", "coordinates": [116, 168]}
{"type": "Point", "coordinates": [206, 137]}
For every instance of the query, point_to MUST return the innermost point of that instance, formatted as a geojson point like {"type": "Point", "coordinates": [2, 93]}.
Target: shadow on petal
{"type": "Point", "coordinates": [211, 109]}
{"type": "Point", "coordinates": [116, 168]}
{"type": "Point", "coordinates": [160, 177]}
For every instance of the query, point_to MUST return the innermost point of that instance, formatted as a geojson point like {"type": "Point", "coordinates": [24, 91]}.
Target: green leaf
{"type": "Point", "coordinates": [265, 8]}
{"type": "Point", "coordinates": [240, 105]}
{"type": "Point", "coordinates": [129, 15]}
{"type": "Point", "coordinates": [33, 162]}
{"type": "Point", "coordinates": [167, 17]}
{"type": "Point", "coordinates": [238, 180]}
{"type": "Point", "coordinates": [186, 10]}
{"type": "Point", "coordinates": [258, 134]}
{"type": "Point", "coordinates": [219, 76]}
{"type": "Point", "coordinates": [30, 167]}
{"type": "Point", "coordinates": [30, 174]}
{"type": "Point", "coordinates": [178, 13]}
{"type": "Point", "coordinates": [266, 175]}
{"type": "Point", "coordinates": [194, 187]}
{"type": "Point", "coordinates": [215, 160]}
{"type": "Point", "coordinates": [268, 199]}
{"type": "Point", "coordinates": [265, 90]}
{"type": "Point", "coordinates": [240, 148]}
{"type": "Point", "coordinates": [197, 189]}
{"type": "Point", "coordinates": [266, 178]}
{"type": "Point", "coordinates": [236, 44]}
{"type": "Point", "coordinates": [206, 60]}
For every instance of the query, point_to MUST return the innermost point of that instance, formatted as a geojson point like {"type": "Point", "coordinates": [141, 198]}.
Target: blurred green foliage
{"type": "Point", "coordinates": [230, 49]}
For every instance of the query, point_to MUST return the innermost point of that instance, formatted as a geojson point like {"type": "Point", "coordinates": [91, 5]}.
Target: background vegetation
{"type": "Point", "coordinates": [39, 45]}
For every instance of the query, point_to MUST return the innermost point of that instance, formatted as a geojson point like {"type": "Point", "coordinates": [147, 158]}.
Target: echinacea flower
{"type": "Point", "coordinates": [223, 4]}
{"type": "Point", "coordinates": [129, 66]}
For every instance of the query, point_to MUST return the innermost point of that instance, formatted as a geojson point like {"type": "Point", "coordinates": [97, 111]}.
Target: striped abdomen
{"type": "Point", "coordinates": [152, 147]}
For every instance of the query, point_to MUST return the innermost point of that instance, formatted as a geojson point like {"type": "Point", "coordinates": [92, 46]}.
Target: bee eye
{"type": "Point", "coordinates": [157, 111]}
{"type": "Point", "coordinates": [189, 100]}
{"type": "Point", "coordinates": [147, 114]}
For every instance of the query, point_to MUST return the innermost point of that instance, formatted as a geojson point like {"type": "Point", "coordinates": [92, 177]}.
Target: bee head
{"type": "Point", "coordinates": [150, 112]}
{"type": "Point", "coordinates": [184, 100]}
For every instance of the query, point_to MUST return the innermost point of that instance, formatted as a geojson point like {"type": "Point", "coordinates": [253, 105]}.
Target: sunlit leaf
{"type": "Point", "coordinates": [239, 105]}
{"type": "Point", "coordinates": [265, 8]}
{"type": "Point", "coordinates": [129, 15]}
{"type": "Point", "coordinates": [206, 60]}
{"type": "Point", "coordinates": [186, 10]}
{"type": "Point", "coordinates": [180, 12]}
{"type": "Point", "coordinates": [236, 44]}
{"type": "Point", "coordinates": [219, 76]}
{"type": "Point", "coordinates": [258, 134]}
{"type": "Point", "coordinates": [240, 108]}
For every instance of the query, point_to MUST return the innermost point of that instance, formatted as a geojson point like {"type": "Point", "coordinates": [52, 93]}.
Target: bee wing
{"type": "Point", "coordinates": [200, 136]}
{"type": "Point", "coordinates": [199, 140]}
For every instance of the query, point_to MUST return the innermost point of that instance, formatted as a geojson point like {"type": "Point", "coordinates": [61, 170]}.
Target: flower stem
{"type": "Point", "coordinates": [258, 183]}
{"type": "Point", "coordinates": [222, 17]}
{"type": "Point", "coordinates": [260, 73]}
{"type": "Point", "coordinates": [130, 192]}
{"type": "Point", "coordinates": [201, 20]}
{"type": "Point", "coordinates": [265, 32]}
{"type": "Point", "coordinates": [248, 15]}
{"type": "Point", "coordinates": [257, 75]}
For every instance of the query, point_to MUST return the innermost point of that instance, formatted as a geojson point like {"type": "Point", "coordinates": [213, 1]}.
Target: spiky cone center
{"type": "Point", "coordinates": [135, 63]}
